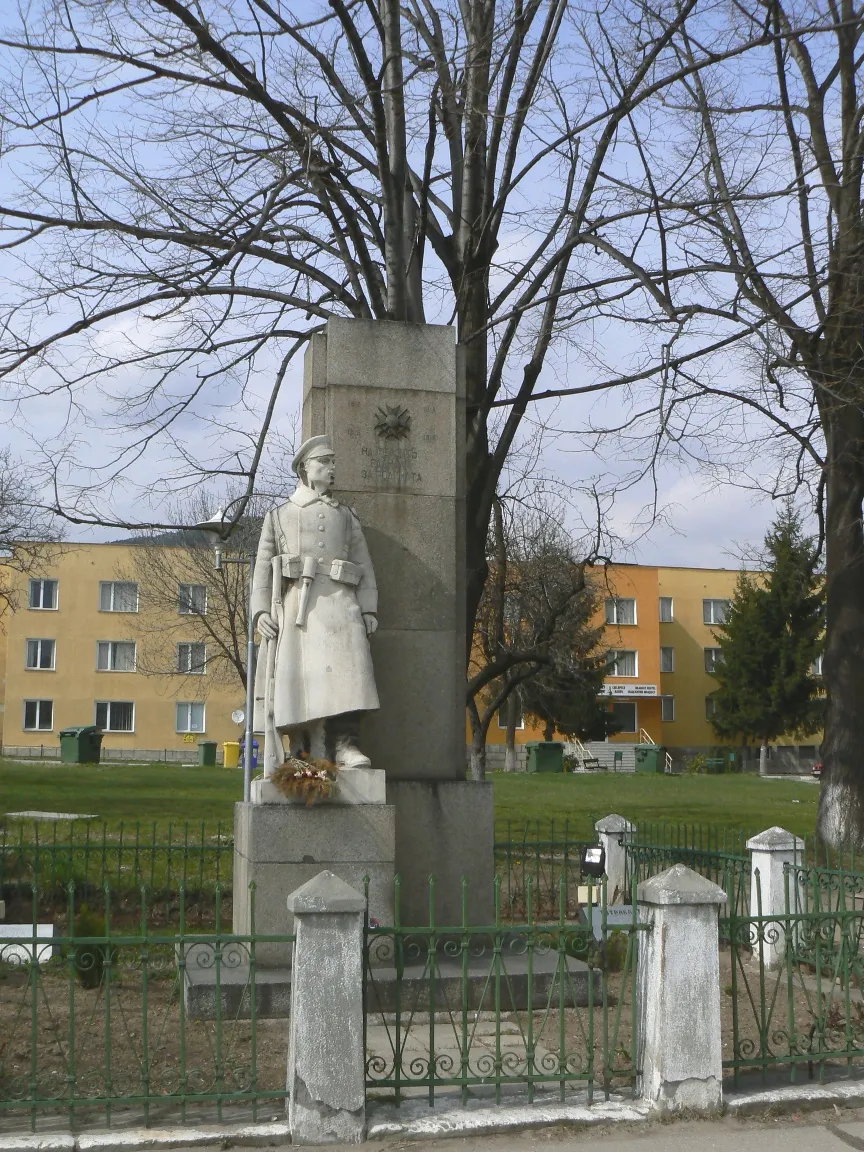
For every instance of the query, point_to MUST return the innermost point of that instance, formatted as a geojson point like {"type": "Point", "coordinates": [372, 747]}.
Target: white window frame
{"type": "Point", "coordinates": [182, 609]}
{"type": "Point", "coordinates": [715, 660]}
{"type": "Point", "coordinates": [667, 703]}
{"type": "Point", "coordinates": [113, 584]}
{"type": "Point", "coordinates": [613, 672]}
{"type": "Point", "coordinates": [628, 704]}
{"type": "Point", "coordinates": [611, 611]}
{"type": "Point", "coordinates": [37, 727]}
{"type": "Point", "coordinates": [710, 707]}
{"type": "Point", "coordinates": [187, 727]}
{"type": "Point", "coordinates": [42, 581]}
{"type": "Point", "coordinates": [38, 666]}
{"type": "Point", "coordinates": [816, 666]}
{"type": "Point", "coordinates": [188, 670]}
{"type": "Point", "coordinates": [112, 656]}
{"type": "Point", "coordinates": [502, 719]}
{"type": "Point", "coordinates": [661, 600]}
{"type": "Point", "coordinates": [670, 649]}
{"type": "Point", "coordinates": [109, 704]}
{"type": "Point", "coordinates": [706, 612]}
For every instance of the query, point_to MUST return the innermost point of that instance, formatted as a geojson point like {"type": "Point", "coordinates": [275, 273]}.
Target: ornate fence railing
{"type": "Point", "coordinates": [795, 981]}
{"type": "Point", "coordinates": [544, 1007]}
{"type": "Point", "coordinates": [541, 857]}
{"type": "Point", "coordinates": [94, 1024]}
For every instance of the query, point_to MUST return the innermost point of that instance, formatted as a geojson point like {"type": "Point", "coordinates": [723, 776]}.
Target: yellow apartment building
{"type": "Point", "coordinates": [90, 642]}
{"type": "Point", "coordinates": [85, 645]}
{"type": "Point", "coordinates": [659, 623]}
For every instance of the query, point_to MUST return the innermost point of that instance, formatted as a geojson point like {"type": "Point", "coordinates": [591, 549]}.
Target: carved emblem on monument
{"type": "Point", "coordinates": [392, 422]}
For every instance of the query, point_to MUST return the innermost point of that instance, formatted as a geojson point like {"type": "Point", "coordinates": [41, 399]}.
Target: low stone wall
{"type": "Point", "coordinates": [187, 755]}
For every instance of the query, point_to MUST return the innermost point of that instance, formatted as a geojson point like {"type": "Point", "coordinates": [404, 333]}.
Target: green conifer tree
{"type": "Point", "coordinates": [769, 641]}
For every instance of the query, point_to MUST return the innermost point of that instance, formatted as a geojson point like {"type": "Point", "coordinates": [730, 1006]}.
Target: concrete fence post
{"type": "Point", "coordinates": [678, 1011]}
{"type": "Point", "coordinates": [770, 852]}
{"type": "Point", "coordinates": [326, 1062]}
{"type": "Point", "coordinates": [612, 830]}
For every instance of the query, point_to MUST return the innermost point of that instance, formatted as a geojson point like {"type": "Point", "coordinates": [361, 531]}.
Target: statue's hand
{"type": "Point", "coordinates": [267, 626]}
{"type": "Point", "coordinates": [371, 623]}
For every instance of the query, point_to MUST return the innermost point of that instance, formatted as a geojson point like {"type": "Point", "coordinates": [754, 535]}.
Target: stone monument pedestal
{"type": "Point", "coordinates": [282, 846]}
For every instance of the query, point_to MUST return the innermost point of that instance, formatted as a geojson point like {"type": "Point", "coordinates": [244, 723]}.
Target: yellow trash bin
{"type": "Point", "coordinates": [231, 753]}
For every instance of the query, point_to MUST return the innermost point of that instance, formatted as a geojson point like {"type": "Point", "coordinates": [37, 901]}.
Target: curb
{"type": "Point", "coordinates": [141, 1139]}
{"type": "Point", "coordinates": [803, 1096]}
{"type": "Point", "coordinates": [467, 1121]}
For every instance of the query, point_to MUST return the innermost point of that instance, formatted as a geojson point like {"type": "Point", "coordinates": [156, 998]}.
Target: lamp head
{"type": "Point", "coordinates": [216, 531]}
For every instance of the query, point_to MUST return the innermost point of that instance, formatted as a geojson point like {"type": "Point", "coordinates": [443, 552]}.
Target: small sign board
{"type": "Point", "coordinates": [628, 690]}
{"type": "Point", "coordinates": [619, 918]}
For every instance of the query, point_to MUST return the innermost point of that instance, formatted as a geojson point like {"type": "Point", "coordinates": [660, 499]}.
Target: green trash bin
{"type": "Point", "coordinates": [80, 745]}
{"type": "Point", "coordinates": [648, 758]}
{"type": "Point", "coordinates": [207, 753]}
{"type": "Point", "coordinates": [545, 756]}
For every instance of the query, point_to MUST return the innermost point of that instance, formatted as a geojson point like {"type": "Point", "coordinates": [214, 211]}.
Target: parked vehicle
{"type": "Point", "coordinates": [816, 770]}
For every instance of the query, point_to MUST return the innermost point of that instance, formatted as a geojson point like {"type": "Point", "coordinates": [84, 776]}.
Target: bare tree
{"type": "Point", "coordinates": [30, 537]}
{"type": "Point", "coordinates": [758, 179]}
{"type": "Point", "coordinates": [536, 614]}
{"type": "Point", "coordinates": [190, 189]}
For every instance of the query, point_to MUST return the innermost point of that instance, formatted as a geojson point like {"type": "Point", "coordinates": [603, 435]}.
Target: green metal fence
{"type": "Point", "coordinates": [540, 857]}
{"type": "Point", "coordinates": [544, 1007]}
{"type": "Point", "coordinates": [194, 858]}
{"type": "Point", "coordinates": [94, 1025]}
{"type": "Point", "coordinates": [715, 852]}
{"type": "Point", "coordinates": [795, 982]}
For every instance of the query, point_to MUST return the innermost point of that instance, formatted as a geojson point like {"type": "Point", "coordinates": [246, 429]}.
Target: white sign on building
{"type": "Point", "coordinates": [629, 690]}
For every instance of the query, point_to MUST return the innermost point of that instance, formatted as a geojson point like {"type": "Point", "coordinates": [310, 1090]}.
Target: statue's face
{"type": "Point", "coordinates": [321, 472]}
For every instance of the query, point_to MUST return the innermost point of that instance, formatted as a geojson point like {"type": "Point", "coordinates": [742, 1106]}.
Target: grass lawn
{"type": "Point", "coordinates": [171, 793]}
{"type": "Point", "coordinates": [737, 801]}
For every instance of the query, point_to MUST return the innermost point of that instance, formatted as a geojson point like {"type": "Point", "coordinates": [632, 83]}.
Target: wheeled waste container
{"type": "Point", "coordinates": [231, 753]}
{"type": "Point", "coordinates": [207, 753]}
{"type": "Point", "coordinates": [545, 756]}
{"type": "Point", "coordinates": [81, 744]}
{"type": "Point", "coordinates": [648, 758]}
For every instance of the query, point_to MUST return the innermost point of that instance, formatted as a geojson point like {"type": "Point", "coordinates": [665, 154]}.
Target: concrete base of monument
{"type": "Point", "coordinates": [281, 846]}
{"type": "Point", "coordinates": [413, 996]}
{"type": "Point", "coordinates": [354, 786]}
{"type": "Point", "coordinates": [445, 829]}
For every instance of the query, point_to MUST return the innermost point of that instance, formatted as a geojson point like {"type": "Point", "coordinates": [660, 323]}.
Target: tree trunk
{"type": "Point", "coordinates": [763, 759]}
{"type": "Point", "coordinates": [840, 821]}
{"type": "Point", "coordinates": [477, 766]}
{"type": "Point", "coordinates": [549, 730]}
{"type": "Point", "coordinates": [510, 764]}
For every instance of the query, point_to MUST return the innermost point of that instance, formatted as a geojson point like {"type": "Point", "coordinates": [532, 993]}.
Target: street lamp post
{"type": "Point", "coordinates": [217, 530]}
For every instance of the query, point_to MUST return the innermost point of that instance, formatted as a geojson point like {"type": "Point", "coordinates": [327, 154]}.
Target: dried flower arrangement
{"type": "Point", "coordinates": [306, 779]}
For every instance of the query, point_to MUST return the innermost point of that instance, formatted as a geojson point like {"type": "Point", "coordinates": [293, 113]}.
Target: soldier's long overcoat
{"type": "Point", "coordinates": [324, 668]}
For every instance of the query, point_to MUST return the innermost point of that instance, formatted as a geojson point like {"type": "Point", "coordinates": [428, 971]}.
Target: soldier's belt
{"type": "Point", "coordinates": [342, 571]}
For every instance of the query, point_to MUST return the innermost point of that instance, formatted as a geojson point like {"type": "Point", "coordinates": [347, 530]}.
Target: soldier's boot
{"type": "Point", "coordinates": [348, 755]}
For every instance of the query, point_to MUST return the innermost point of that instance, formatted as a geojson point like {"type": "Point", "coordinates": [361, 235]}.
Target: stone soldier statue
{"type": "Point", "coordinates": [314, 603]}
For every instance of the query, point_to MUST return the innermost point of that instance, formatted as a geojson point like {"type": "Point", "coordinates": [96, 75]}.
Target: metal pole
{"type": "Point", "coordinates": [250, 687]}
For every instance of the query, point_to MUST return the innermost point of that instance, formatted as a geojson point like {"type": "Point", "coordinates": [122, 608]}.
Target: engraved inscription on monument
{"type": "Point", "coordinates": [398, 447]}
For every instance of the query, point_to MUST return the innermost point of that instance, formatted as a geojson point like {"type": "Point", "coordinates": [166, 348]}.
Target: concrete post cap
{"type": "Point", "coordinates": [325, 893]}
{"type": "Point", "coordinates": [679, 885]}
{"type": "Point", "coordinates": [613, 823]}
{"type": "Point", "coordinates": [775, 839]}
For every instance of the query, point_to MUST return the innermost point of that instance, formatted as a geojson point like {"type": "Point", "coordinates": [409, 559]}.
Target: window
{"type": "Point", "coordinates": [710, 707]}
{"type": "Point", "coordinates": [667, 659]}
{"type": "Point", "coordinates": [620, 611]}
{"type": "Point", "coordinates": [192, 599]}
{"type": "Point", "coordinates": [38, 715]}
{"type": "Point", "coordinates": [623, 663]}
{"type": "Point", "coordinates": [713, 657]}
{"type": "Point", "coordinates": [714, 611]}
{"type": "Point", "coordinates": [115, 715]}
{"type": "Point", "coordinates": [666, 616]}
{"type": "Point", "coordinates": [191, 658]}
{"type": "Point", "coordinates": [624, 712]}
{"type": "Point", "coordinates": [115, 656]}
{"type": "Point", "coordinates": [816, 667]}
{"type": "Point", "coordinates": [667, 708]}
{"type": "Point", "coordinates": [118, 596]}
{"type": "Point", "coordinates": [43, 594]}
{"type": "Point", "coordinates": [502, 717]}
{"type": "Point", "coordinates": [189, 717]}
{"type": "Point", "coordinates": [40, 655]}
